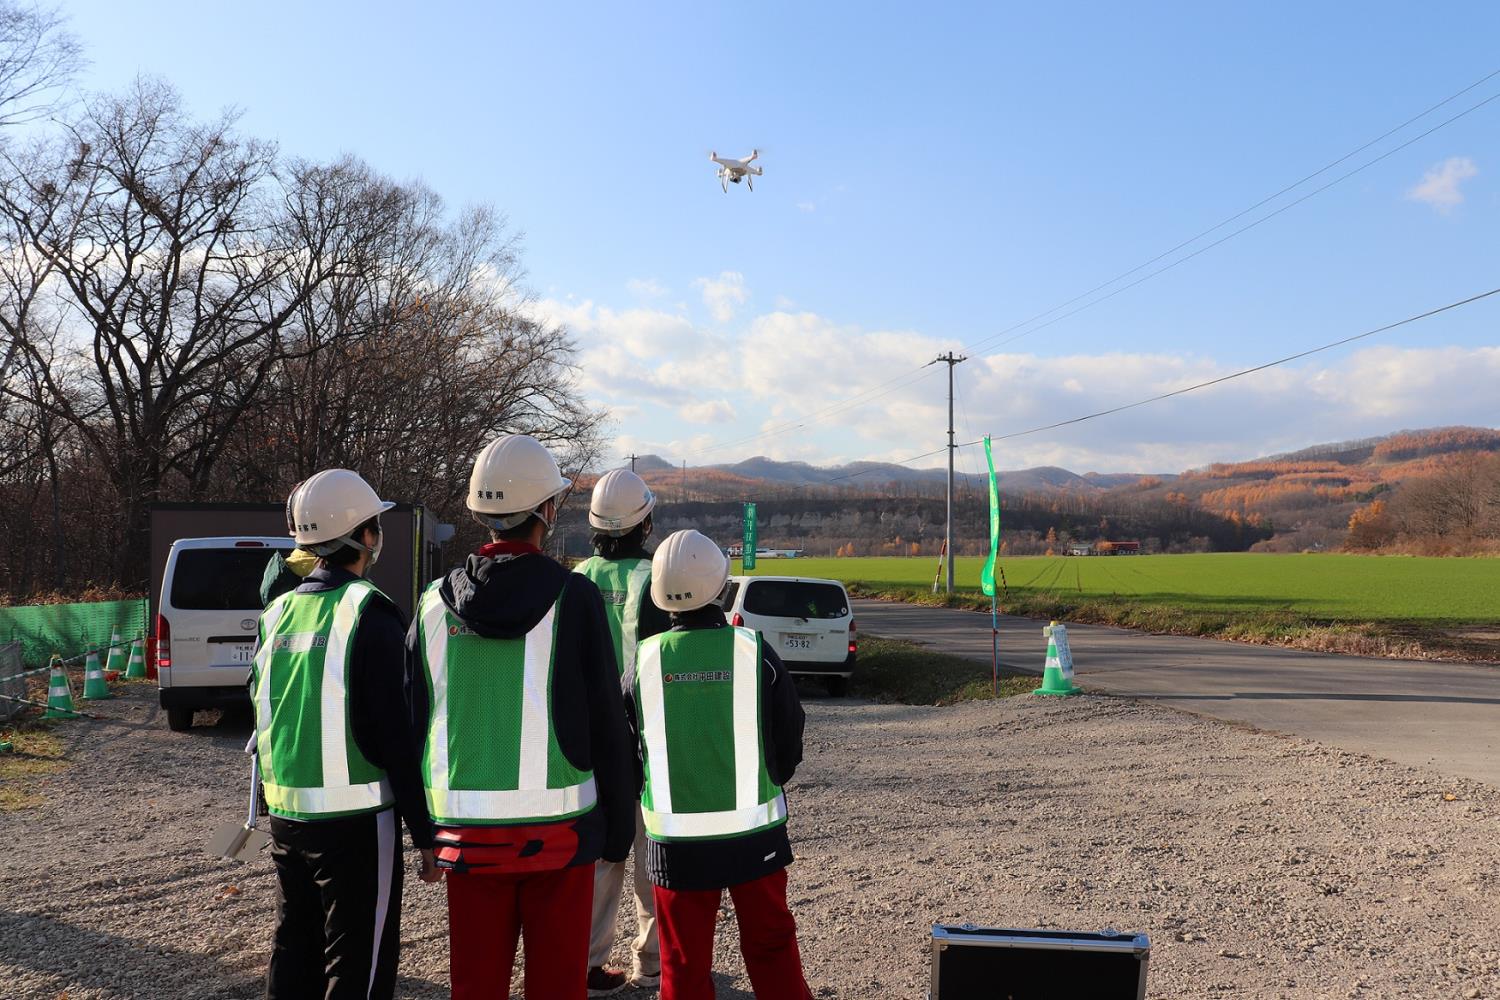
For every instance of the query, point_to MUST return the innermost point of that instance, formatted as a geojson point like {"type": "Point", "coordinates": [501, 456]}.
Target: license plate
{"type": "Point", "coordinates": [796, 640]}
{"type": "Point", "coordinates": [242, 652]}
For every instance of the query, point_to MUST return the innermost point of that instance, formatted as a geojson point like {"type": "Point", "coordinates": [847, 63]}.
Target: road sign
{"type": "Point", "coordinates": [747, 555]}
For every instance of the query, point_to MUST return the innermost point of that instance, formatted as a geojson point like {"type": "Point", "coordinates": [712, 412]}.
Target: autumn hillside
{"type": "Point", "coordinates": [1308, 497]}
{"type": "Point", "coordinates": [1423, 491]}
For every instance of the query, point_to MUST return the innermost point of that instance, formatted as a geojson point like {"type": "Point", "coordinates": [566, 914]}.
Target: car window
{"type": "Point", "coordinates": [795, 599]}
{"type": "Point", "coordinates": [729, 592]}
{"type": "Point", "coordinates": [219, 579]}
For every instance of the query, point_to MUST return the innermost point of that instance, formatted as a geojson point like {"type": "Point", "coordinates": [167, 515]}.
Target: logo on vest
{"type": "Point", "coordinates": [699, 676]}
{"type": "Point", "coordinates": [299, 642]}
{"type": "Point", "coordinates": [460, 630]}
{"type": "Point", "coordinates": [613, 596]}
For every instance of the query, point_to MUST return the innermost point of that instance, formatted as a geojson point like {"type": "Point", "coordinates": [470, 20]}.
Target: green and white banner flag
{"type": "Point", "coordinates": [747, 557]}
{"type": "Point", "coordinates": [987, 576]}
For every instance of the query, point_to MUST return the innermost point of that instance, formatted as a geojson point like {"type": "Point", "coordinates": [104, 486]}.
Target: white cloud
{"type": "Point", "coordinates": [645, 288]}
{"type": "Point", "coordinates": [807, 206]}
{"type": "Point", "coordinates": [1439, 187]}
{"type": "Point", "coordinates": [836, 393]}
{"type": "Point", "coordinates": [710, 411]}
{"type": "Point", "coordinates": [724, 294]}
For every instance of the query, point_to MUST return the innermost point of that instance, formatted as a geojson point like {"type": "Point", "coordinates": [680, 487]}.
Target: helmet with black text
{"type": "Point", "coordinates": [513, 478]}
{"type": "Point", "coordinates": [688, 571]}
{"type": "Point", "coordinates": [330, 507]}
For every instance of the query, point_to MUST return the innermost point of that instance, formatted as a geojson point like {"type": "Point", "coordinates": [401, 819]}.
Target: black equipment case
{"type": "Point", "coordinates": [992, 963]}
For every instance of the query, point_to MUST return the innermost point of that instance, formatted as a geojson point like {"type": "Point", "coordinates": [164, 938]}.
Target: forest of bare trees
{"type": "Point", "coordinates": [188, 313]}
{"type": "Point", "coordinates": [1455, 511]}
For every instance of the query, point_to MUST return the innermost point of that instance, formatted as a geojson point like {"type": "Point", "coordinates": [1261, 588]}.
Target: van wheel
{"type": "Point", "coordinates": [179, 720]}
{"type": "Point", "coordinates": [837, 686]}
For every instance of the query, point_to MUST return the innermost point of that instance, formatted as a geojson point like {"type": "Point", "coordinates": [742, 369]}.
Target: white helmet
{"type": "Point", "coordinates": [512, 477]}
{"type": "Point", "coordinates": [329, 506]}
{"type": "Point", "coordinates": [687, 572]}
{"type": "Point", "coordinates": [621, 500]}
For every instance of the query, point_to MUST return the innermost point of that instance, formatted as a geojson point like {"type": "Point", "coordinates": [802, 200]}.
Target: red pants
{"type": "Point", "coordinates": [768, 940]}
{"type": "Point", "coordinates": [486, 915]}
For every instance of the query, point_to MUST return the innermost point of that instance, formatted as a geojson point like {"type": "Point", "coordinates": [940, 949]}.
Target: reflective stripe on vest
{"type": "Point", "coordinates": [630, 625]}
{"type": "Point", "coordinates": [663, 819]}
{"type": "Point", "coordinates": [625, 617]}
{"type": "Point", "coordinates": [531, 799]}
{"type": "Point", "coordinates": [334, 794]}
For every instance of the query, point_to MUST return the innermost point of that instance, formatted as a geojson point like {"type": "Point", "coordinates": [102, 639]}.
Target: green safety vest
{"type": "Point", "coordinates": [492, 757]}
{"type": "Point", "coordinates": [624, 584]}
{"type": "Point", "coordinates": [310, 766]}
{"type": "Point", "coordinates": [698, 698]}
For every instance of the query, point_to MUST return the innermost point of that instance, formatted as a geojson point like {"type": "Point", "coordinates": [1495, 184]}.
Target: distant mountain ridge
{"type": "Point", "coordinates": [761, 469]}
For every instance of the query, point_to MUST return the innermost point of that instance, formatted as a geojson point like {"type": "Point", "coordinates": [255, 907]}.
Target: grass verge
{"type": "Point", "coordinates": [36, 751]}
{"type": "Point", "coordinates": [893, 671]}
{"type": "Point", "coordinates": [1416, 640]}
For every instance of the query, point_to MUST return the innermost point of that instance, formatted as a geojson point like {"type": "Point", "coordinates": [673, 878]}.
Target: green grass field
{"type": "Point", "coordinates": [1391, 605]}
{"type": "Point", "coordinates": [1362, 588]}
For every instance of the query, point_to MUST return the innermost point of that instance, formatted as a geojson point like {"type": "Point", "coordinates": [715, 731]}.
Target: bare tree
{"type": "Point", "coordinates": [38, 56]}
{"type": "Point", "coordinates": [405, 367]}
{"type": "Point", "coordinates": [172, 274]}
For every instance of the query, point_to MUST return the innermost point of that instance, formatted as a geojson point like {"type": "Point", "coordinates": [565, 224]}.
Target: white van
{"type": "Point", "coordinates": [807, 621]}
{"type": "Point", "coordinates": [206, 622]}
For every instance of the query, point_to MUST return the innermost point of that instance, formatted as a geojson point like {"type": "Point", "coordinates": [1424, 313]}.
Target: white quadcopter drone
{"type": "Point", "coordinates": [734, 171]}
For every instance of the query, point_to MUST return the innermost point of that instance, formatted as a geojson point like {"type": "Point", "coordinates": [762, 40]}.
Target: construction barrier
{"type": "Point", "coordinates": [71, 629]}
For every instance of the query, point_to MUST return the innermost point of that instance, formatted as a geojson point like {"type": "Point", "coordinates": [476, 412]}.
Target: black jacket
{"type": "Point", "coordinates": [504, 598]}
{"type": "Point", "coordinates": [380, 714]}
{"type": "Point", "coordinates": [718, 864]}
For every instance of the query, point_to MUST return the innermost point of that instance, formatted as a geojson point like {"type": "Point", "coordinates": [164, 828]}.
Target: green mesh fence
{"type": "Point", "coordinates": [69, 629]}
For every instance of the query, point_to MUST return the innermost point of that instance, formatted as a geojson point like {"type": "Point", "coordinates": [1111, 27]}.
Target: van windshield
{"type": "Point", "coordinates": [219, 579]}
{"type": "Point", "coordinates": [795, 599]}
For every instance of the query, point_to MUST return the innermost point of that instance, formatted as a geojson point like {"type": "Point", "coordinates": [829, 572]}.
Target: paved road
{"type": "Point", "coordinates": [1442, 716]}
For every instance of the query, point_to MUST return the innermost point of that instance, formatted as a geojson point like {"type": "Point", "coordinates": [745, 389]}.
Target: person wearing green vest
{"type": "Point", "coordinates": [528, 759]}
{"type": "Point", "coordinates": [620, 514]}
{"type": "Point", "coordinates": [286, 573]}
{"type": "Point", "coordinates": [337, 750]}
{"type": "Point", "coordinates": [720, 731]}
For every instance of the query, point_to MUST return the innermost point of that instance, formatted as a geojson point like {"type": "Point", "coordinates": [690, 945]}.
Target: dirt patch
{"type": "Point", "coordinates": [1260, 866]}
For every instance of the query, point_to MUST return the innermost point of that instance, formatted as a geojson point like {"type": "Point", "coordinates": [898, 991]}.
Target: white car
{"type": "Point", "coordinates": [206, 622]}
{"type": "Point", "coordinates": [807, 621]}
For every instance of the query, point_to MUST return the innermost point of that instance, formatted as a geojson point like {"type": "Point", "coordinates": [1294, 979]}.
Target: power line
{"type": "Point", "coordinates": [1239, 374]}
{"type": "Point", "coordinates": [874, 393]}
{"type": "Point", "coordinates": [1243, 229]}
{"type": "Point", "coordinates": [771, 494]}
{"type": "Point", "coordinates": [1264, 201]}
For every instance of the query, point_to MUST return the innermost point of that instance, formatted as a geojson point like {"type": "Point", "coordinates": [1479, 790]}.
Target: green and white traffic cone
{"type": "Point", "coordinates": [137, 666]}
{"type": "Point", "coordinates": [1057, 675]}
{"type": "Point", "coordinates": [59, 695]}
{"type": "Point", "coordinates": [94, 686]}
{"type": "Point", "coordinates": [116, 661]}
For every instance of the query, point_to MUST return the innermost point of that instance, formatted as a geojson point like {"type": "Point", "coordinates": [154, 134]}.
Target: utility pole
{"type": "Point", "coordinates": [632, 461]}
{"type": "Point", "coordinates": [950, 359]}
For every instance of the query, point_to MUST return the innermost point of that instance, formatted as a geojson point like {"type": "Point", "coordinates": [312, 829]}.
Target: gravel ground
{"type": "Point", "coordinates": [1260, 866]}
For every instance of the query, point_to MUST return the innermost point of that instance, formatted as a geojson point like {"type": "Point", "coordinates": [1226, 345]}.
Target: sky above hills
{"type": "Point", "coordinates": [933, 178]}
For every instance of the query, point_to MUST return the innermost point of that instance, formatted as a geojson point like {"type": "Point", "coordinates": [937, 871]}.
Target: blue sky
{"type": "Point", "coordinates": [932, 177]}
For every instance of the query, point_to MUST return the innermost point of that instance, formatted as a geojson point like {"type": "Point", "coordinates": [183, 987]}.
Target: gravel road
{"type": "Point", "coordinates": [1260, 865]}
